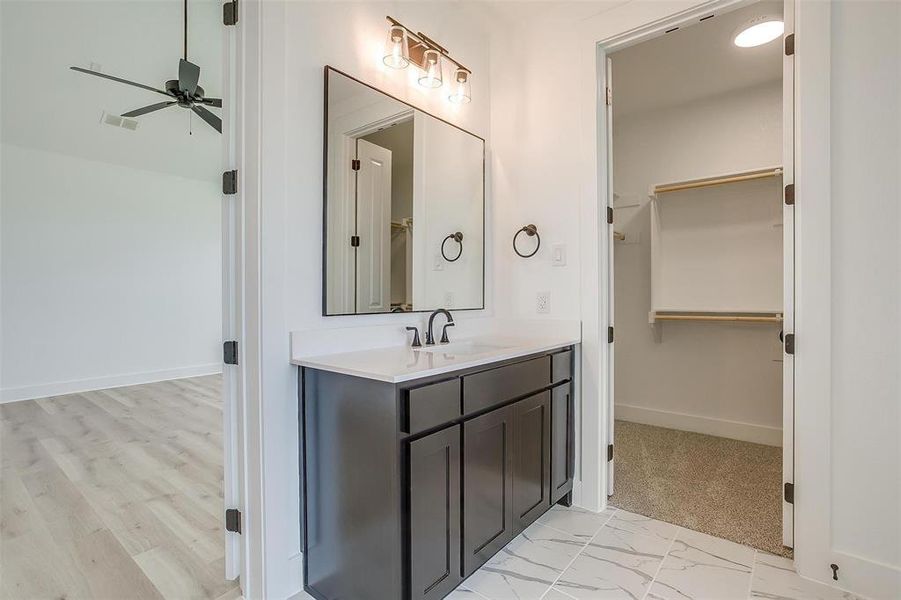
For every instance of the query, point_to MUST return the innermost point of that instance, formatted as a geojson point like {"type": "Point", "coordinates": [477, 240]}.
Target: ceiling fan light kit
{"type": "Point", "coordinates": [183, 92]}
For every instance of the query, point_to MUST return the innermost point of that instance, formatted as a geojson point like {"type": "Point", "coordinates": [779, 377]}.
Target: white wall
{"type": "Point", "coordinates": [111, 262]}
{"type": "Point", "coordinates": [299, 39]}
{"type": "Point", "coordinates": [866, 283]}
{"type": "Point", "coordinates": [111, 275]}
{"type": "Point", "coordinates": [716, 378]}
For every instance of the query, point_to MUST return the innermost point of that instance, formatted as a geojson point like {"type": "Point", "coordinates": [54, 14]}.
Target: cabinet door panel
{"type": "Point", "coordinates": [562, 447]}
{"type": "Point", "coordinates": [487, 486]}
{"type": "Point", "coordinates": [531, 459]}
{"type": "Point", "coordinates": [435, 514]}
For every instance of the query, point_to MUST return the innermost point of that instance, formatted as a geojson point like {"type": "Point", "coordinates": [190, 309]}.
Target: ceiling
{"type": "Point", "coordinates": [694, 62]}
{"type": "Point", "coordinates": [49, 107]}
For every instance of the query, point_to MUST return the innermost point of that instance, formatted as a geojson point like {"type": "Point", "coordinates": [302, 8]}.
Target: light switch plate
{"type": "Point", "coordinates": [558, 255]}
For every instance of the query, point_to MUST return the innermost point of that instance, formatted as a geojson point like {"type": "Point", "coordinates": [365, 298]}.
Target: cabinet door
{"type": "Point", "coordinates": [562, 446]}
{"type": "Point", "coordinates": [531, 459]}
{"type": "Point", "coordinates": [435, 514]}
{"type": "Point", "coordinates": [487, 486]}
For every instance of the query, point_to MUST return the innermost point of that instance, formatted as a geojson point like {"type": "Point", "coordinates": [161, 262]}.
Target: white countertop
{"type": "Point", "coordinates": [395, 364]}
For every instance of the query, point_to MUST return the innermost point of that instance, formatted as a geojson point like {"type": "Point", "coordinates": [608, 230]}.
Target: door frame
{"type": "Point", "coordinates": [605, 138]}
{"type": "Point", "coordinates": [631, 23]}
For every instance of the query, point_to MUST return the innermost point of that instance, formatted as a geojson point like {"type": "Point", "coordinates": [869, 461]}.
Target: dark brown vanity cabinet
{"type": "Point", "coordinates": [435, 513]}
{"type": "Point", "coordinates": [531, 459]}
{"type": "Point", "coordinates": [562, 442]}
{"type": "Point", "coordinates": [408, 488]}
{"type": "Point", "coordinates": [488, 486]}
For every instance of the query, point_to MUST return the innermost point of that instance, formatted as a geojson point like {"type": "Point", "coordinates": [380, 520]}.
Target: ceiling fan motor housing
{"type": "Point", "coordinates": [183, 100]}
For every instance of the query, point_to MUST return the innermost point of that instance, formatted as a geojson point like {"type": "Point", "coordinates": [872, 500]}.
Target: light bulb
{"type": "Point", "coordinates": [460, 90]}
{"type": "Point", "coordinates": [759, 31]}
{"type": "Point", "coordinates": [396, 51]}
{"type": "Point", "coordinates": [432, 66]}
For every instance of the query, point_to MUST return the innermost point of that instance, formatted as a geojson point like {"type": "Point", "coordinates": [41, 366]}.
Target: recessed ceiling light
{"type": "Point", "coordinates": [759, 31]}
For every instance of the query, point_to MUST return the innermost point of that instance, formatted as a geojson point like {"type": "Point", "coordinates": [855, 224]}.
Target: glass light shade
{"type": "Point", "coordinates": [431, 78]}
{"type": "Point", "coordinates": [758, 32]}
{"type": "Point", "coordinates": [460, 90]}
{"type": "Point", "coordinates": [397, 54]}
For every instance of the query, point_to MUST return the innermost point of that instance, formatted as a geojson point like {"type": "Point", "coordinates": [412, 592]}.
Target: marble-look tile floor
{"type": "Point", "coordinates": [571, 554]}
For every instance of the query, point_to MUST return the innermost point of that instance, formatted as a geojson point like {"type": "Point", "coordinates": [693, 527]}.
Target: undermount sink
{"type": "Point", "coordinates": [462, 348]}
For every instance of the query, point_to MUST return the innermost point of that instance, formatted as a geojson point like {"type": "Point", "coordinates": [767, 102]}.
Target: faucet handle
{"type": "Point", "coordinates": [416, 343]}
{"type": "Point", "coordinates": [444, 339]}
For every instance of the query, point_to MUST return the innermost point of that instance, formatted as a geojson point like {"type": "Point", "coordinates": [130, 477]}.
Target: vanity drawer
{"type": "Point", "coordinates": [431, 405]}
{"type": "Point", "coordinates": [489, 388]}
{"type": "Point", "coordinates": [561, 366]}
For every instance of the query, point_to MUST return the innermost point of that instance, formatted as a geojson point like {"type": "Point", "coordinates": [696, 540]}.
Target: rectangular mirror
{"type": "Point", "coordinates": [404, 206]}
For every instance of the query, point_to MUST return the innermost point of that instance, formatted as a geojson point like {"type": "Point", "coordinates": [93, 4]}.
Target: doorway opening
{"type": "Point", "coordinates": [116, 422]}
{"type": "Point", "coordinates": [699, 256]}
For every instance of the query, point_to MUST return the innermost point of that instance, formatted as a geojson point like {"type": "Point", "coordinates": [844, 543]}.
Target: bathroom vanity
{"type": "Point", "coordinates": [419, 465]}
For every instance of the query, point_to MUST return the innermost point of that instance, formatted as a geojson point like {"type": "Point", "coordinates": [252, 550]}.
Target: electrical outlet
{"type": "Point", "coordinates": [448, 299]}
{"type": "Point", "coordinates": [439, 263]}
{"type": "Point", "coordinates": [543, 303]}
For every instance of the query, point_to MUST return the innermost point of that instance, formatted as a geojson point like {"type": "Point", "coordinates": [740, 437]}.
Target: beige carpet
{"type": "Point", "coordinates": [722, 487]}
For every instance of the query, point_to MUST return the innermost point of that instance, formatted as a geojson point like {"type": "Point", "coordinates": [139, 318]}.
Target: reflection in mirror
{"type": "Point", "coordinates": [404, 206]}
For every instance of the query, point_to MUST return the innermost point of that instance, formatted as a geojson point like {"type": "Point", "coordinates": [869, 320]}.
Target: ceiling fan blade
{"type": "Point", "coordinates": [148, 109]}
{"type": "Point", "coordinates": [211, 119]}
{"type": "Point", "coordinates": [120, 80]}
{"type": "Point", "coordinates": [215, 102]}
{"type": "Point", "coordinates": [188, 76]}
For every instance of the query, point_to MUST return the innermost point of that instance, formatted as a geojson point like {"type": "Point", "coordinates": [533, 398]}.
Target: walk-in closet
{"type": "Point", "coordinates": [699, 262]}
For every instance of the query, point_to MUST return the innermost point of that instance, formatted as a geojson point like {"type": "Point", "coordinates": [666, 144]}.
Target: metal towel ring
{"type": "Point", "coordinates": [457, 237]}
{"type": "Point", "coordinates": [529, 230]}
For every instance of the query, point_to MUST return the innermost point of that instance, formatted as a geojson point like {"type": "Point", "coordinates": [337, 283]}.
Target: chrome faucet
{"type": "Point", "coordinates": [430, 336]}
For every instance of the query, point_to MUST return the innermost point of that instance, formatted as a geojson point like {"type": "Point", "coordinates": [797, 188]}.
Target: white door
{"type": "Point", "coordinates": [788, 282]}
{"type": "Point", "coordinates": [608, 79]}
{"type": "Point", "coordinates": [373, 228]}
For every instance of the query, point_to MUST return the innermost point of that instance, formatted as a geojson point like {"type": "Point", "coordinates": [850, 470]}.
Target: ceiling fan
{"type": "Point", "coordinates": [183, 91]}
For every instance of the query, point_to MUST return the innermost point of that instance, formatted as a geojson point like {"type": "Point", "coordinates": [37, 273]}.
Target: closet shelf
{"type": "Point", "coordinates": [729, 317]}
{"type": "Point", "coordinates": [677, 186]}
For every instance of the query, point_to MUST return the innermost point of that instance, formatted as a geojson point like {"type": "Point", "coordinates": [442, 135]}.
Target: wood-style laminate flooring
{"type": "Point", "coordinates": [114, 494]}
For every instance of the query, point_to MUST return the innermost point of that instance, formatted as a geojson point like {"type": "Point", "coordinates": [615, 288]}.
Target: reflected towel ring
{"type": "Point", "coordinates": [457, 237]}
{"type": "Point", "coordinates": [529, 230]}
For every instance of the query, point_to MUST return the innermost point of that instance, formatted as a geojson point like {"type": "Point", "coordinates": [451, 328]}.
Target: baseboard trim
{"type": "Point", "coordinates": [736, 430]}
{"type": "Point", "coordinates": [30, 392]}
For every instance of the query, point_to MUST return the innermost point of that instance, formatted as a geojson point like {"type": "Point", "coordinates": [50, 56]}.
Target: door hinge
{"type": "Point", "coordinates": [790, 44]}
{"type": "Point", "coordinates": [355, 241]}
{"type": "Point", "coordinates": [233, 520]}
{"type": "Point", "coordinates": [355, 164]}
{"type": "Point", "coordinates": [789, 343]}
{"type": "Point", "coordinates": [230, 352]}
{"type": "Point", "coordinates": [608, 96]}
{"type": "Point", "coordinates": [610, 215]}
{"type": "Point", "coordinates": [610, 335]}
{"type": "Point", "coordinates": [230, 12]}
{"type": "Point", "coordinates": [230, 182]}
{"type": "Point", "coordinates": [609, 452]}
{"type": "Point", "coordinates": [789, 492]}
{"type": "Point", "coordinates": [790, 194]}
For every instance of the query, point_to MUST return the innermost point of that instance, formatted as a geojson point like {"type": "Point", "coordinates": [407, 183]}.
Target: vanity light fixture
{"type": "Point", "coordinates": [396, 52]}
{"type": "Point", "coordinates": [460, 91]}
{"type": "Point", "coordinates": [402, 47]}
{"type": "Point", "coordinates": [431, 78]}
{"type": "Point", "coordinates": [759, 31]}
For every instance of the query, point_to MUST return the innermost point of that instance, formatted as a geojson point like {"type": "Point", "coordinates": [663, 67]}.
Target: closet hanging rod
{"type": "Point", "coordinates": [721, 180]}
{"type": "Point", "coordinates": [738, 318]}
